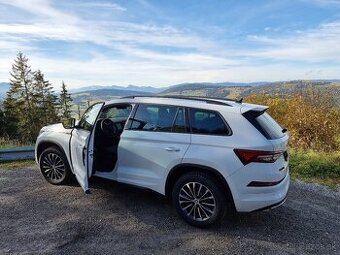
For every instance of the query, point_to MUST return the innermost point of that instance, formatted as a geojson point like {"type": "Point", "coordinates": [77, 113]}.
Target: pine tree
{"type": "Point", "coordinates": [18, 104]}
{"type": "Point", "coordinates": [65, 102]}
{"type": "Point", "coordinates": [78, 111]}
{"type": "Point", "coordinates": [2, 120]}
{"type": "Point", "coordinates": [45, 100]}
{"type": "Point", "coordinates": [11, 116]}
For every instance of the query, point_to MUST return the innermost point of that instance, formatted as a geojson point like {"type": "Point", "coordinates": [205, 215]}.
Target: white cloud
{"type": "Point", "coordinates": [102, 5]}
{"type": "Point", "coordinates": [190, 58]}
{"type": "Point", "coordinates": [42, 9]}
{"type": "Point", "coordinates": [314, 45]}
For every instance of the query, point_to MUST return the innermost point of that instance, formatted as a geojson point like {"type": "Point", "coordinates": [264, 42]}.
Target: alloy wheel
{"type": "Point", "coordinates": [197, 201]}
{"type": "Point", "coordinates": [53, 167]}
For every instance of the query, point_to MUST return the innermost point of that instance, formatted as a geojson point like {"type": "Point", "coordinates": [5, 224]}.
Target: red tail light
{"type": "Point", "coordinates": [248, 156]}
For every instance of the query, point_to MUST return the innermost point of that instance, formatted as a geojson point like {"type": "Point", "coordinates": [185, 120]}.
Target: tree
{"type": "Point", "coordinates": [45, 100]}
{"type": "Point", "coordinates": [2, 120]}
{"type": "Point", "coordinates": [78, 111]}
{"type": "Point", "coordinates": [18, 106]}
{"type": "Point", "coordinates": [65, 102]}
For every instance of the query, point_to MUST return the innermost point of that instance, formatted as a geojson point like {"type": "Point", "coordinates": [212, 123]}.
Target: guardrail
{"type": "Point", "coordinates": [16, 153]}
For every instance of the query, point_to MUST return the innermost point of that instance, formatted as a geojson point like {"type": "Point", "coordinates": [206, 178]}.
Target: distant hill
{"type": "Point", "coordinates": [281, 88]}
{"type": "Point", "coordinates": [232, 90]}
{"type": "Point", "coordinates": [206, 85]}
{"type": "Point", "coordinates": [134, 88]}
{"type": "Point", "coordinates": [104, 94]}
{"type": "Point", "coordinates": [293, 87]}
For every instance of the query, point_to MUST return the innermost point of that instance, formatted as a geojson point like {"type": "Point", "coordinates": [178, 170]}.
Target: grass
{"type": "Point", "coordinates": [316, 167]}
{"type": "Point", "coordinates": [6, 143]}
{"type": "Point", "coordinates": [26, 163]}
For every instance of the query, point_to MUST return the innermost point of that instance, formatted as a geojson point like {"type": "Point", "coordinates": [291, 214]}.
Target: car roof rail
{"type": "Point", "coordinates": [209, 100]}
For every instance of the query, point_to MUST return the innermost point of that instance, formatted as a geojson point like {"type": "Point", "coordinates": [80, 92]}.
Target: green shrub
{"type": "Point", "coordinates": [322, 167]}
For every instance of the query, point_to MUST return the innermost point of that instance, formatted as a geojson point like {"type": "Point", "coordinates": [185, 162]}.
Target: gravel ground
{"type": "Point", "coordinates": [39, 218]}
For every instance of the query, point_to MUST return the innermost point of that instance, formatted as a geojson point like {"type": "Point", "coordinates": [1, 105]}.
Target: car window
{"type": "Point", "coordinates": [159, 118]}
{"type": "Point", "coordinates": [89, 117]}
{"type": "Point", "coordinates": [207, 122]}
{"type": "Point", "coordinates": [116, 112]}
{"type": "Point", "coordinates": [179, 124]}
{"type": "Point", "coordinates": [270, 126]}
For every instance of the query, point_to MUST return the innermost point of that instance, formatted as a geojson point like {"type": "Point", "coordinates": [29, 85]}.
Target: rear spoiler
{"type": "Point", "coordinates": [251, 112]}
{"type": "Point", "coordinates": [253, 108]}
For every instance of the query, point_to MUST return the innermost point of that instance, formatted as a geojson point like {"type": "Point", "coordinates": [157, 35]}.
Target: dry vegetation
{"type": "Point", "coordinates": [313, 120]}
{"type": "Point", "coordinates": [6, 143]}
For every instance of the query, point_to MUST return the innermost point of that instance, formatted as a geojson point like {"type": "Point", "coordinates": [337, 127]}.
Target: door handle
{"type": "Point", "coordinates": [172, 149]}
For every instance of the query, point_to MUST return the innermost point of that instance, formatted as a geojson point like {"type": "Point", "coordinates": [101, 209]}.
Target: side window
{"type": "Point", "coordinates": [89, 117]}
{"type": "Point", "coordinates": [159, 118]}
{"type": "Point", "coordinates": [207, 122]}
{"type": "Point", "coordinates": [179, 124]}
{"type": "Point", "coordinates": [116, 112]}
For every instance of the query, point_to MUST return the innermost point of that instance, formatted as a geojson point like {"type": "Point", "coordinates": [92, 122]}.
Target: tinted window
{"type": "Point", "coordinates": [207, 122]}
{"type": "Point", "coordinates": [160, 118]}
{"type": "Point", "coordinates": [89, 117]}
{"type": "Point", "coordinates": [179, 124]}
{"type": "Point", "coordinates": [116, 112]}
{"type": "Point", "coordinates": [270, 126]}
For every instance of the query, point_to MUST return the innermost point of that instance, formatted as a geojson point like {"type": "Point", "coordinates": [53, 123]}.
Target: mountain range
{"type": "Point", "coordinates": [88, 94]}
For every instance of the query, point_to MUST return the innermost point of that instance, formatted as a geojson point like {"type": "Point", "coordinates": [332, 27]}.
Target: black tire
{"type": "Point", "coordinates": [204, 215]}
{"type": "Point", "coordinates": [54, 166]}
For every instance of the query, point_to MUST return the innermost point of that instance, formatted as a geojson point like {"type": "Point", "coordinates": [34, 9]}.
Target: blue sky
{"type": "Point", "coordinates": [159, 43]}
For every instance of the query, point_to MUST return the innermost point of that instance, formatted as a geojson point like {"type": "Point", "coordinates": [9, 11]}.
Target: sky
{"type": "Point", "coordinates": [162, 42]}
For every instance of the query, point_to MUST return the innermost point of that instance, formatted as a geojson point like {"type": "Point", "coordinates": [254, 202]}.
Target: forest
{"type": "Point", "coordinates": [30, 104]}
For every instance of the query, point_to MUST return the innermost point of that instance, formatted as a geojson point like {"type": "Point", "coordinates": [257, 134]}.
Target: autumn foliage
{"type": "Point", "coordinates": [311, 116]}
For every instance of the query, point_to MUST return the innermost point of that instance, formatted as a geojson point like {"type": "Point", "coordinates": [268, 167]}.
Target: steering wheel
{"type": "Point", "coordinates": [109, 128]}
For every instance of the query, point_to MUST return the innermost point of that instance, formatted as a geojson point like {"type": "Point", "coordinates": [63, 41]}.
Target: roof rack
{"type": "Point", "coordinates": [225, 99]}
{"type": "Point", "coordinates": [209, 100]}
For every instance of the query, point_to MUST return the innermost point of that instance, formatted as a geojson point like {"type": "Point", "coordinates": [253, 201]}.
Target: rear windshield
{"type": "Point", "coordinates": [271, 127]}
{"type": "Point", "coordinates": [265, 124]}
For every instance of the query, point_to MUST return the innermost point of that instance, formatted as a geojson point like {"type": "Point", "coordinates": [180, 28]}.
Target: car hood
{"type": "Point", "coordinates": [55, 128]}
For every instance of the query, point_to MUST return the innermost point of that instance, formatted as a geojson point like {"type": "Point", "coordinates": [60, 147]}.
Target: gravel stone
{"type": "Point", "coordinates": [40, 218]}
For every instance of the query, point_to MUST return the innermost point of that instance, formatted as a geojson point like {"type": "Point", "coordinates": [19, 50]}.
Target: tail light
{"type": "Point", "coordinates": [248, 156]}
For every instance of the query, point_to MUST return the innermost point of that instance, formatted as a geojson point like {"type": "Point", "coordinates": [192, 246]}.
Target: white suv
{"type": "Point", "coordinates": [209, 155]}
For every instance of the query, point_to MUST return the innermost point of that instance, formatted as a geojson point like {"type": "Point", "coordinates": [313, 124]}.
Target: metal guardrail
{"type": "Point", "coordinates": [17, 153]}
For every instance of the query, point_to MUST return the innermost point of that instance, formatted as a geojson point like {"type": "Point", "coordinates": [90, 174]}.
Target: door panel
{"type": "Point", "coordinates": [145, 157]}
{"type": "Point", "coordinates": [79, 142]}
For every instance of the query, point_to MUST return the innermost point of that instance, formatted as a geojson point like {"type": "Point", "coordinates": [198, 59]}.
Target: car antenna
{"type": "Point", "coordinates": [240, 100]}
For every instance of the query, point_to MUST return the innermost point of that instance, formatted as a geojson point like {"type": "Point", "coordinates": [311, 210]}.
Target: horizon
{"type": "Point", "coordinates": [161, 43]}
{"type": "Point", "coordinates": [237, 84]}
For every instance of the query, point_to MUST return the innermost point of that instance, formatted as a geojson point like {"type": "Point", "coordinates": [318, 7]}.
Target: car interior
{"type": "Point", "coordinates": [108, 128]}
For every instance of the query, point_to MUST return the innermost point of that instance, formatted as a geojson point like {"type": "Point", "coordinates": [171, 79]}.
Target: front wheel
{"type": "Point", "coordinates": [199, 199]}
{"type": "Point", "coordinates": [54, 166]}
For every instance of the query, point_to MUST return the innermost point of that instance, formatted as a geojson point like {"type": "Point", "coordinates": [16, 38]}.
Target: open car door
{"type": "Point", "coordinates": [79, 145]}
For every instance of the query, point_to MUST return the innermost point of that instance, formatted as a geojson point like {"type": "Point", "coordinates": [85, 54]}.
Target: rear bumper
{"type": "Point", "coordinates": [271, 206]}
{"type": "Point", "coordinates": [251, 199]}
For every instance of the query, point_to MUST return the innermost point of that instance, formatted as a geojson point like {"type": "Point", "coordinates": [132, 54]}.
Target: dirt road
{"type": "Point", "coordinates": [39, 218]}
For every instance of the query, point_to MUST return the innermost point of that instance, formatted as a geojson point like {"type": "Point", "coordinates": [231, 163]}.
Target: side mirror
{"type": "Point", "coordinates": [69, 123]}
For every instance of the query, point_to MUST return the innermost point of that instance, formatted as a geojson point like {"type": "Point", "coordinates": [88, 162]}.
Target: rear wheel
{"type": "Point", "coordinates": [54, 166]}
{"type": "Point", "coordinates": [199, 199]}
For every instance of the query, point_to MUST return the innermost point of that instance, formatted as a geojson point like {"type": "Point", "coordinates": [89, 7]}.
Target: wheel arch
{"type": "Point", "coordinates": [181, 169]}
{"type": "Point", "coordinates": [43, 145]}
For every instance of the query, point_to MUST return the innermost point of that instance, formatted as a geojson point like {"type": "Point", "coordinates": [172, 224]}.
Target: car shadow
{"type": "Point", "coordinates": [155, 210]}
